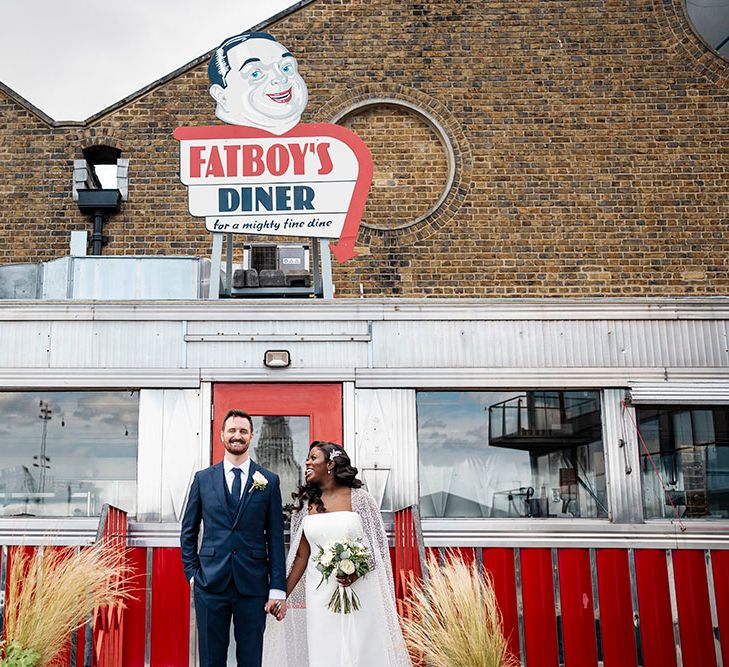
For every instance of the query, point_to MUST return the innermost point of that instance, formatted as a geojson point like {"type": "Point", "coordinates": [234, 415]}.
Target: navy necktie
{"type": "Point", "coordinates": [236, 488]}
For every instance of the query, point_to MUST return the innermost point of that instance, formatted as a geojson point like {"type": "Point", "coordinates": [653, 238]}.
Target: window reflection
{"type": "Point", "coordinates": [690, 448]}
{"type": "Point", "coordinates": [511, 454]}
{"type": "Point", "coordinates": [67, 453]}
{"type": "Point", "coordinates": [281, 444]}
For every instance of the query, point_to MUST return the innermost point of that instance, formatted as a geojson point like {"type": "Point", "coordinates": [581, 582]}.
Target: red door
{"type": "Point", "coordinates": [286, 418]}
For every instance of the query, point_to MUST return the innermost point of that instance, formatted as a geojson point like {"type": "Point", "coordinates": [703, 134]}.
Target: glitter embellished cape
{"type": "Point", "coordinates": [285, 643]}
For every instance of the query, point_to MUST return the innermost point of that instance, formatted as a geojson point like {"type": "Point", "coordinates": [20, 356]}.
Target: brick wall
{"type": "Point", "coordinates": [591, 150]}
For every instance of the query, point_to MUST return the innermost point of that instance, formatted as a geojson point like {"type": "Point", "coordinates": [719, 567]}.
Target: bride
{"type": "Point", "coordinates": [332, 506]}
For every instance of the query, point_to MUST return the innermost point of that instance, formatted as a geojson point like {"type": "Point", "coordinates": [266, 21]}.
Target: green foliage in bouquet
{"type": "Point", "coordinates": [343, 559]}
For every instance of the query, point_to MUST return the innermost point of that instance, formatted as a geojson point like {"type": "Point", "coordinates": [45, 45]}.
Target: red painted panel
{"type": "Point", "coordinates": [407, 559]}
{"type": "Point", "coordinates": [134, 614]}
{"type": "Point", "coordinates": [720, 570]}
{"type": "Point", "coordinates": [654, 606]}
{"type": "Point", "coordinates": [170, 609]}
{"type": "Point", "coordinates": [80, 647]}
{"type": "Point", "coordinates": [578, 612]}
{"type": "Point", "coordinates": [432, 552]}
{"type": "Point", "coordinates": [63, 657]}
{"type": "Point", "coordinates": [468, 554]}
{"type": "Point", "coordinates": [616, 608]}
{"type": "Point", "coordinates": [540, 623]}
{"type": "Point", "coordinates": [499, 563]}
{"type": "Point", "coordinates": [322, 403]}
{"type": "Point", "coordinates": [694, 612]}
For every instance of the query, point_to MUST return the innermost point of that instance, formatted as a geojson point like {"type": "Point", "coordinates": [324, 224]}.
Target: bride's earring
{"type": "Point", "coordinates": [329, 472]}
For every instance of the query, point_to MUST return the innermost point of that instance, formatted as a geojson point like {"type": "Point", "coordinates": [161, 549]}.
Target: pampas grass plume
{"type": "Point", "coordinates": [52, 593]}
{"type": "Point", "coordinates": [454, 619]}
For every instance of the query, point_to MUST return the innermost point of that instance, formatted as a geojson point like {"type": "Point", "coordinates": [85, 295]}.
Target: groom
{"type": "Point", "coordinates": [239, 571]}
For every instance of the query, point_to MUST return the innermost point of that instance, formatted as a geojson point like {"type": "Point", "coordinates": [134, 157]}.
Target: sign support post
{"type": "Point", "coordinates": [214, 289]}
{"type": "Point", "coordinates": [325, 255]}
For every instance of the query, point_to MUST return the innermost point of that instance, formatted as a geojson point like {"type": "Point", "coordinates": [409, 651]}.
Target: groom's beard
{"type": "Point", "coordinates": [236, 447]}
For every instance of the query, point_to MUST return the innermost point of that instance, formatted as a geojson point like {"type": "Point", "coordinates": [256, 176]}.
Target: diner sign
{"type": "Point", "coordinates": [264, 172]}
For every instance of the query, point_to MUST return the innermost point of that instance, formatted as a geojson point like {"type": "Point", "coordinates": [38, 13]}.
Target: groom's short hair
{"type": "Point", "coordinates": [237, 413]}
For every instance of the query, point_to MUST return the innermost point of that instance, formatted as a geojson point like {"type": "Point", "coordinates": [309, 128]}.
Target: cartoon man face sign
{"type": "Point", "coordinates": [256, 82]}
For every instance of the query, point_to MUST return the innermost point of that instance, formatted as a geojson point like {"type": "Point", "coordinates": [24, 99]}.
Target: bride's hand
{"type": "Point", "coordinates": [347, 580]}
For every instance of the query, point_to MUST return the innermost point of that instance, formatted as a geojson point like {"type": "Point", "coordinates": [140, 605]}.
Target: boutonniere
{"type": "Point", "coordinates": [259, 482]}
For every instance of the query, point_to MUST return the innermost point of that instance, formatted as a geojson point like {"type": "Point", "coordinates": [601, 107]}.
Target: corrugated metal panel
{"type": "Point", "coordinates": [20, 281]}
{"type": "Point", "coordinates": [57, 282]}
{"type": "Point", "coordinates": [250, 355]}
{"type": "Point", "coordinates": [546, 344]}
{"type": "Point", "coordinates": [387, 436]}
{"type": "Point", "coordinates": [622, 463]}
{"type": "Point", "coordinates": [245, 327]}
{"type": "Point", "coordinates": [423, 310]}
{"type": "Point", "coordinates": [576, 533]}
{"type": "Point", "coordinates": [507, 378]}
{"type": "Point", "coordinates": [24, 344]}
{"type": "Point", "coordinates": [684, 393]}
{"type": "Point", "coordinates": [169, 451]}
{"type": "Point", "coordinates": [136, 277]}
{"type": "Point", "coordinates": [85, 378]}
{"type": "Point", "coordinates": [116, 344]}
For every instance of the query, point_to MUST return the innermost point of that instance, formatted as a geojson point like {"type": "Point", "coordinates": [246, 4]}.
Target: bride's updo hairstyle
{"type": "Point", "coordinates": [343, 471]}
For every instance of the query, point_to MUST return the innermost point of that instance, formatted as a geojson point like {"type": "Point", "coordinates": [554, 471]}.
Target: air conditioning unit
{"type": "Point", "coordinates": [280, 257]}
{"type": "Point", "coordinates": [274, 265]}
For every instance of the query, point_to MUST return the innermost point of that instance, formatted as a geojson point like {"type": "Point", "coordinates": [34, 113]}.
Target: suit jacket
{"type": "Point", "coordinates": [247, 546]}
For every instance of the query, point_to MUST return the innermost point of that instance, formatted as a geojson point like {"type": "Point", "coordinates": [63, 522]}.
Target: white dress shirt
{"type": "Point", "coordinates": [229, 476]}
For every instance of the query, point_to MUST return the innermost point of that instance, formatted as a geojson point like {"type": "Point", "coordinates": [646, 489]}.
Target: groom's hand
{"type": "Point", "coordinates": [277, 608]}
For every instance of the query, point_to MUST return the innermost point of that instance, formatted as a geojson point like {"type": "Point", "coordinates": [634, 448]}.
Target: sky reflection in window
{"type": "Point", "coordinates": [67, 453]}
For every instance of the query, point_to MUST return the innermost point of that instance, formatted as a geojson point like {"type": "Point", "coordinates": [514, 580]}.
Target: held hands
{"type": "Point", "coordinates": [277, 608]}
{"type": "Point", "coordinates": [347, 580]}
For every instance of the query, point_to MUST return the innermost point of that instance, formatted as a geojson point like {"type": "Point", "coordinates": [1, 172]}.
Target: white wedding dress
{"type": "Point", "coordinates": [313, 636]}
{"type": "Point", "coordinates": [357, 639]}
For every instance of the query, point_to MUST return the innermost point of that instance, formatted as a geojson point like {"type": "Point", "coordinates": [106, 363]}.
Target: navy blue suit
{"type": "Point", "coordinates": [240, 559]}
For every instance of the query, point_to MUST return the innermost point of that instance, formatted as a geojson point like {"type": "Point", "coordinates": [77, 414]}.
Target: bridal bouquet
{"type": "Point", "coordinates": [342, 559]}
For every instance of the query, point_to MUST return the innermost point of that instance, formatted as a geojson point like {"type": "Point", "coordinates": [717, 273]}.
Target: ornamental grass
{"type": "Point", "coordinates": [454, 619]}
{"type": "Point", "coordinates": [52, 593]}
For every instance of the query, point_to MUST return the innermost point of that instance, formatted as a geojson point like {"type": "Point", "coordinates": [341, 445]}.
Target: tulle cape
{"type": "Point", "coordinates": [285, 643]}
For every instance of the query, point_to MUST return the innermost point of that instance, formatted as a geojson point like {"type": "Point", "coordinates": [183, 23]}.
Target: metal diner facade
{"type": "Point", "coordinates": [624, 589]}
{"type": "Point", "coordinates": [539, 360]}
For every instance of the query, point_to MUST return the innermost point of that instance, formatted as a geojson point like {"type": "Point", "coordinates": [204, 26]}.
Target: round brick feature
{"type": "Point", "coordinates": [413, 161]}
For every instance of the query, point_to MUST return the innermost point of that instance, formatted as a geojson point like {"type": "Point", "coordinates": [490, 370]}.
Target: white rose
{"type": "Point", "coordinates": [326, 558]}
{"type": "Point", "coordinates": [347, 566]}
{"type": "Point", "coordinates": [259, 479]}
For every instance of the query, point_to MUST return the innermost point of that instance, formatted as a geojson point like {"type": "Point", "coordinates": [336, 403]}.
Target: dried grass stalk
{"type": "Point", "coordinates": [52, 593]}
{"type": "Point", "coordinates": [454, 618]}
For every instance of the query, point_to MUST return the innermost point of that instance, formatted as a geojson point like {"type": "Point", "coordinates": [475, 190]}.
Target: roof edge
{"type": "Point", "coordinates": [28, 106]}
{"type": "Point", "coordinates": [45, 118]}
{"type": "Point", "coordinates": [174, 74]}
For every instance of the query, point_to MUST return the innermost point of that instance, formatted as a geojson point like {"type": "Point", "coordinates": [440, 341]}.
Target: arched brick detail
{"type": "Point", "coordinates": [95, 136]}
{"type": "Point", "coordinates": [685, 42]}
{"type": "Point", "coordinates": [460, 181]}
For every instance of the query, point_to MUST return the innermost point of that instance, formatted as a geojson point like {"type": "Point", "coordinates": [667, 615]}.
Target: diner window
{"type": "Point", "coordinates": [67, 453]}
{"type": "Point", "coordinates": [508, 454]}
{"type": "Point", "coordinates": [689, 449]}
